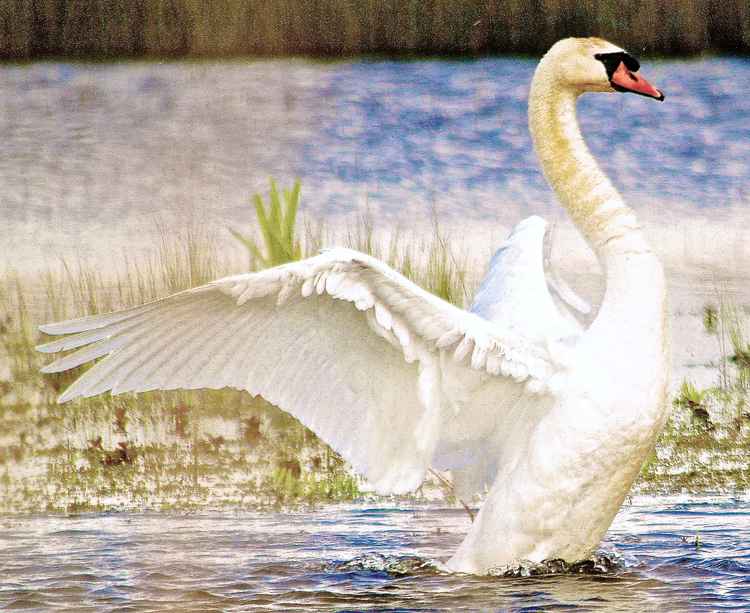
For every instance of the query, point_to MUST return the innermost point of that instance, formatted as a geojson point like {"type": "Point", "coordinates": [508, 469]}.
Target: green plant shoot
{"type": "Point", "coordinates": [277, 222]}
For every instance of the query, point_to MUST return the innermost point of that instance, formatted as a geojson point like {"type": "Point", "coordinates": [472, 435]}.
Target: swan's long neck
{"type": "Point", "coordinates": [635, 297]}
{"type": "Point", "coordinates": [583, 189]}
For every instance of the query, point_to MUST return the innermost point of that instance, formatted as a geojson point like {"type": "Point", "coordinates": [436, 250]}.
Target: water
{"type": "Point", "coordinates": [334, 558]}
{"type": "Point", "coordinates": [93, 153]}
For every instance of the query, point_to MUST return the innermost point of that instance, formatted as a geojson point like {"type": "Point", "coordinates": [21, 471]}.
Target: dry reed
{"type": "Point", "coordinates": [219, 28]}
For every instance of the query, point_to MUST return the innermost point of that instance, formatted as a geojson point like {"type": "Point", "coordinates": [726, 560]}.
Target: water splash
{"type": "Point", "coordinates": [600, 564]}
{"type": "Point", "coordinates": [393, 565]}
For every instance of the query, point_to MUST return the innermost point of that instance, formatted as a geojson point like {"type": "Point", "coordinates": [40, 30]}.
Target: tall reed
{"type": "Point", "coordinates": [119, 28]}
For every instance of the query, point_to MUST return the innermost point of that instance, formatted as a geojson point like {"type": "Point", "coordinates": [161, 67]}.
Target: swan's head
{"type": "Point", "coordinates": [595, 65]}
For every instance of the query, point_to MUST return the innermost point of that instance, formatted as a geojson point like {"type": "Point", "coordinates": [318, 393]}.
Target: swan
{"type": "Point", "coordinates": [514, 395]}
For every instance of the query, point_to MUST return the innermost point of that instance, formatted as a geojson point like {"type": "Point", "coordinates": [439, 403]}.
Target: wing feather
{"type": "Point", "coordinates": [341, 341]}
{"type": "Point", "coordinates": [177, 349]}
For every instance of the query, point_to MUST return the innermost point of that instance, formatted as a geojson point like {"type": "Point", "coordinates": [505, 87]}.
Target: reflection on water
{"type": "Point", "coordinates": [292, 561]}
{"type": "Point", "coordinates": [91, 152]}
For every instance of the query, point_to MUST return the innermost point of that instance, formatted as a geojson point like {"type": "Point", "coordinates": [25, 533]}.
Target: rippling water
{"type": "Point", "coordinates": [293, 561]}
{"type": "Point", "coordinates": [92, 151]}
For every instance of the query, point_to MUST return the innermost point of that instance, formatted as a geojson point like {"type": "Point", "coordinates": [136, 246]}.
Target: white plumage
{"type": "Point", "coordinates": [512, 394]}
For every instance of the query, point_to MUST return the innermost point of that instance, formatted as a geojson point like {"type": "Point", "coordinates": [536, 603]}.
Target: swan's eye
{"type": "Point", "coordinates": [612, 60]}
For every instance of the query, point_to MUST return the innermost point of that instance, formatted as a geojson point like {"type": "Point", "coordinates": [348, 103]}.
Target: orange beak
{"type": "Point", "coordinates": [624, 80]}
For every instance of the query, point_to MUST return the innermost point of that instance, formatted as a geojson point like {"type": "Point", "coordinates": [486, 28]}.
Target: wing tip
{"type": "Point", "coordinates": [66, 396]}
{"type": "Point", "coordinates": [69, 326]}
{"type": "Point", "coordinates": [73, 392]}
{"type": "Point", "coordinates": [50, 347]}
{"type": "Point", "coordinates": [48, 329]}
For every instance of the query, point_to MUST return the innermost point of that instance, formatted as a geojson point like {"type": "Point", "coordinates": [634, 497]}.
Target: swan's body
{"type": "Point", "coordinates": [513, 394]}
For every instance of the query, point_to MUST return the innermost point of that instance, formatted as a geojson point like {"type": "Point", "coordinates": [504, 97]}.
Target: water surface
{"type": "Point", "coordinates": [293, 561]}
{"type": "Point", "coordinates": [93, 152]}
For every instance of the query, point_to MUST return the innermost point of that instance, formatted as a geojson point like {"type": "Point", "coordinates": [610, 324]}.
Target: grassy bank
{"type": "Point", "coordinates": [224, 448]}
{"type": "Point", "coordinates": [105, 28]}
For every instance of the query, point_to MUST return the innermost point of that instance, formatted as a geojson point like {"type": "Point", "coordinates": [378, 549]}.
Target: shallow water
{"type": "Point", "coordinates": [293, 561]}
{"type": "Point", "coordinates": [92, 153]}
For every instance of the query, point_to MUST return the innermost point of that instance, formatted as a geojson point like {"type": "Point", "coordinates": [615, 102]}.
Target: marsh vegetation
{"type": "Point", "coordinates": [99, 28]}
{"type": "Point", "coordinates": [705, 446]}
{"type": "Point", "coordinates": [224, 448]}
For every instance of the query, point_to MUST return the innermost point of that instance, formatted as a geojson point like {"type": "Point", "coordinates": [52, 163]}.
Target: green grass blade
{"type": "Point", "coordinates": [290, 215]}
{"type": "Point", "coordinates": [274, 220]}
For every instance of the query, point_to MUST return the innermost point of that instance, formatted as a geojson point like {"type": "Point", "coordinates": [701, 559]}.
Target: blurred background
{"type": "Point", "coordinates": [332, 28]}
{"type": "Point", "coordinates": [116, 113]}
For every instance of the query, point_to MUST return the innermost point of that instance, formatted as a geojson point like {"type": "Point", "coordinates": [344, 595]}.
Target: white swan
{"type": "Point", "coordinates": [512, 393]}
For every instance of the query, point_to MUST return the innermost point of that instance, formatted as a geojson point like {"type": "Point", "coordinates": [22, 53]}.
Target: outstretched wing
{"type": "Point", "coordinates": [341, 341]}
